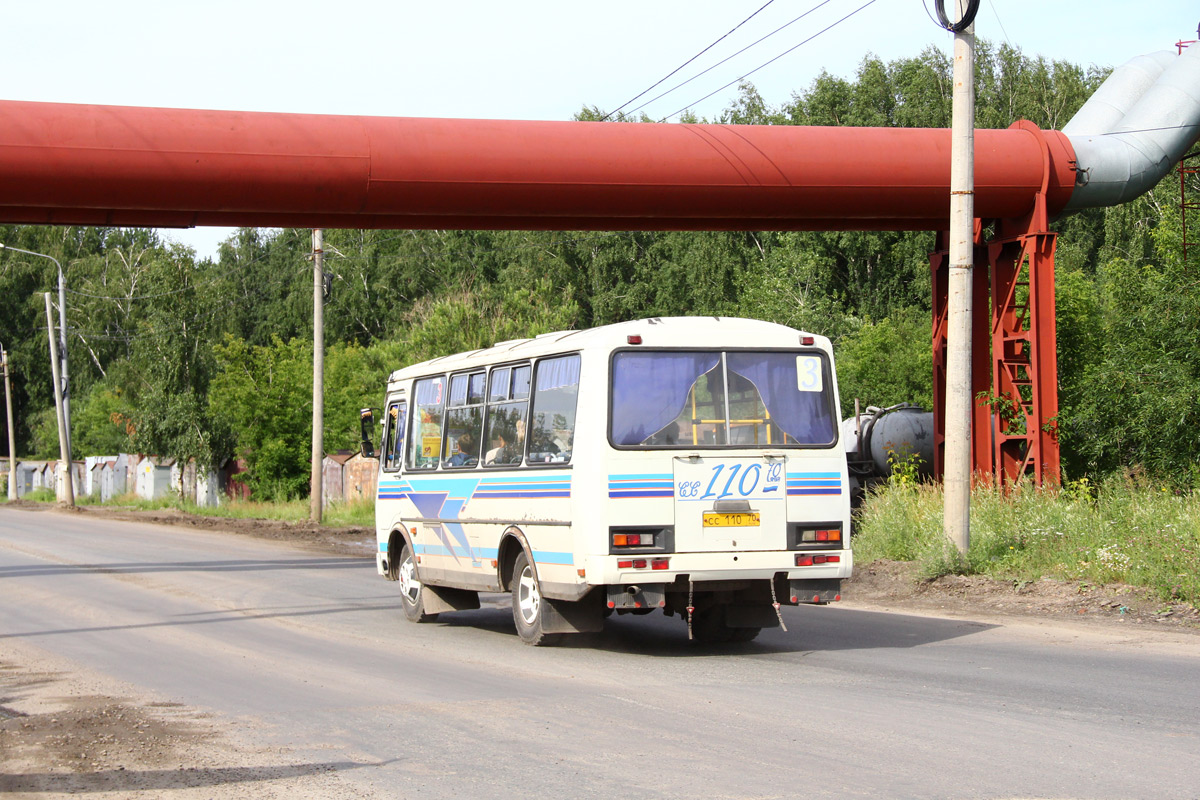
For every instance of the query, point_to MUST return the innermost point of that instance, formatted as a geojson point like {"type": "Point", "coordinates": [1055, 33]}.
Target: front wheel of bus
{"type": "Point", "coordinates": [412, 598]}
{"type": "Point", "coordinates": [527, 604]}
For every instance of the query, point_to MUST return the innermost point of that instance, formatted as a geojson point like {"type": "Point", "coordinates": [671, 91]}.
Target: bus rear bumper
{"type": "Point", "coordinates": [724, 566]}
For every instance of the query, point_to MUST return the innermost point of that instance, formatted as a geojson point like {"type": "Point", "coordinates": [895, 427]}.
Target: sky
{"type": "Point", "coordinates": [523, 59]}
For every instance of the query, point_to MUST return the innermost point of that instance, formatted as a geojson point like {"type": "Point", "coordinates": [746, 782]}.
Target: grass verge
{"type": "Point", "coordinates": [1121, 533]}
{"type": "Point", "coordinates": [356, 513]}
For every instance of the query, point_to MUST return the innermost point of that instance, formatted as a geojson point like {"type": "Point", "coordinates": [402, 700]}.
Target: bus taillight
{"type": "Point", "coordinates": [809, 560]}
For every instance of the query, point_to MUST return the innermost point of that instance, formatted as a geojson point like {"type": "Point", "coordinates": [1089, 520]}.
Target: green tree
{"type": "Point", "coordinates": [887, 362]}
{"type": "Point", "coordinates": [263, 395]}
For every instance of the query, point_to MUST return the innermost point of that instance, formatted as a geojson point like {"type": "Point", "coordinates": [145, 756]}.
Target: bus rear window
{"type": "Point", "coordinates": [675, 399]}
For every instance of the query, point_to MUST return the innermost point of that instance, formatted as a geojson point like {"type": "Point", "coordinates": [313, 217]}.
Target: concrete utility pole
{"type": "Point", "coordinates": [12, 436]}
{"type": "Point", "coordinates": [318, 436]}
{"type": "Point", "coordinates": [957, 478]}
{"type": "Point", "coordinates": [67, 481]}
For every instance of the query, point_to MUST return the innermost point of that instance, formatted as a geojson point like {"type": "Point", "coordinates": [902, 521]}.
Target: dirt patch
{"type": "Point", "coordinates": [897, 585]}
{"type": "Point", "coordinates": [66, 731]}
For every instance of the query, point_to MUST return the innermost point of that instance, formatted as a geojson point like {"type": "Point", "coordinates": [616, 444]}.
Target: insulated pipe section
{"type": "Point", "coordinates": [1116, 166]}
{"type": "Point", "coordinates": [107, 165]}
{"type": "Point", "coordinates": [1105, 109]}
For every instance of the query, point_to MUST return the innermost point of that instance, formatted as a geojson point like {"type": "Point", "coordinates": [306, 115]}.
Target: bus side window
{"type": "Point", "coordinates": [428, 400]}
{"type": "Point", "coordinates": [401, 427]}
{"type": "Point", "coordinates": [508, 405]}
{"type": "Point", "coordinates": [552, 419]}
{"type": "Point", "coordinates": [393, 435]}
{"type": "Point", "coordinates": [464, 421]}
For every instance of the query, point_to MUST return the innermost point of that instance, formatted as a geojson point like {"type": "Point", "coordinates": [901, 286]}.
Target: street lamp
{"type": "Point", "coordinates": [12, 437]}
{"type": "Point", "coordinates": [62, 344]}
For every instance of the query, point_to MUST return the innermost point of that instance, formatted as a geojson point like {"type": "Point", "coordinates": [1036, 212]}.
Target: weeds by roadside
{"type": "Point", "coordinates": [1122, 533]}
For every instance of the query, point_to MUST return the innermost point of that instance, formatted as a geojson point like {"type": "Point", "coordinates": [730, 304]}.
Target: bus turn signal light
{"type": "Point", "coordinates": [633, 539]}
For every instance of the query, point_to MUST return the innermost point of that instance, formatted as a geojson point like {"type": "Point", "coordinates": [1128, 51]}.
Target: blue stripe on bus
{"type": "Point", "coordinates": [482, 495]}
{"type": "Point", "coordinates": [548, 557]}
{"type": "Point", "coordinates": [521, 487]}
{"type": "Point", "coordinates": [641, 493]}
{"type": "Point", "coordinates": [479, 553]}
{"type": "Point", "coordinates": [476, 553]}
{"type": "Point", "coordinates": [444, 484]}
{"type": "Point", "coordinates": [640, 485]}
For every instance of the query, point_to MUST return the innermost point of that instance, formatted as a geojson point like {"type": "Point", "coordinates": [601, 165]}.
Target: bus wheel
{"type": "Point", "coordinates": [527, 604]}
{"type": "Point", "coordinates": [710, 627]}
{"type": "Point", "coordinates": [412, 599]}
{"type": "Point", "coordinates": [743, 634]}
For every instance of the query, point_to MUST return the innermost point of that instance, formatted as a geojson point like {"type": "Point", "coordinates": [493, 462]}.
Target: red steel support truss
{"type": "Point", "coordinates": [1024, 358]}
{"type": "Point", "coordinates": [1014, 359]}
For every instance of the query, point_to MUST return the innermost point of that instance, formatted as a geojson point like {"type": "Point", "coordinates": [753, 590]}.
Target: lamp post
{"type": "Point", "coordinates": [12, 436]}
{"type": "Point", "coordinates": [62, 333]}
{"type": "Point", "coordinates": [62, 346]}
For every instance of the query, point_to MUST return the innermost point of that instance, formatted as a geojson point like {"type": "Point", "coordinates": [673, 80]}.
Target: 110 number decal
{"type": "Point", "coordinates": [733, 482]}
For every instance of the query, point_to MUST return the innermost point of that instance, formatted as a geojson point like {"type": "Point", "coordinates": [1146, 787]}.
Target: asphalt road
{"type": "Point", "coordinates": [313, 650]}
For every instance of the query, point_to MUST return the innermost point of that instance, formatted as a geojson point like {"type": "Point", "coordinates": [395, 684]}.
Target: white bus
{"type": "Point", "coordinates": [686, 464]}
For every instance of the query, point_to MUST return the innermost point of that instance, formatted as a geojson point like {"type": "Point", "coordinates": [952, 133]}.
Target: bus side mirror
{"type": "Point", "coordinates": [367, 423]}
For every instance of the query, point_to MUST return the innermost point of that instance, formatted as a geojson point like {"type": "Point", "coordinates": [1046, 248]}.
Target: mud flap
{"type": "Point", "coordinates": [565, 616]}
{"type": "Point", "coordinates": [639, 597]}
{"type": "Point", "coordinates": [751, 617]}
{"type": "Point", "coordinates": [441, 598]}
{"type": "Point", "coordinates": [818, 592]}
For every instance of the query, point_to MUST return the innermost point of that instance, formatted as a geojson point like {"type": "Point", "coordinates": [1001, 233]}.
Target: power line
{"type": "Point", "coordinates": [735, 55]}
{"type": "Point", "coordinates": [684, 64]}
{"type": "Point", "coordinates": [999, 22]}
{"type": "Point", "coordinates": [772, 61]}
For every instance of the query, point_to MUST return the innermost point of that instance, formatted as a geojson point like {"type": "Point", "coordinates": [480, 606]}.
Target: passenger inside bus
{"type": "Point", "coordinates": [466, 455]}
{"type": "Point", "coordinates": [508, 451]}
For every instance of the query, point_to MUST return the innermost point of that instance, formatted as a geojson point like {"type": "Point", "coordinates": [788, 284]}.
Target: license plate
{"type": "Point", "coordinates": [725, 519]}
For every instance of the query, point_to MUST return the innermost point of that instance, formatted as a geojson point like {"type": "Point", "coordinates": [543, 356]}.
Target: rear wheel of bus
{"type": "Point", "coordinates": [709, 626]}
{"type": "Point", "coordinates": [412, 594]}
{"type": "Point", "coordinates": [528, 605]}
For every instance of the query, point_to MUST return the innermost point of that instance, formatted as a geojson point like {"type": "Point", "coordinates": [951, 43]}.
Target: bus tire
{"type": "Point", "coordinates": [528, 605]}
{"type": "Point", "coordinates": [737, 635]}
{"type": "Point", "coordinates": [709, 626]}
{"type": "Point", "coordinates": [412, 595]}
